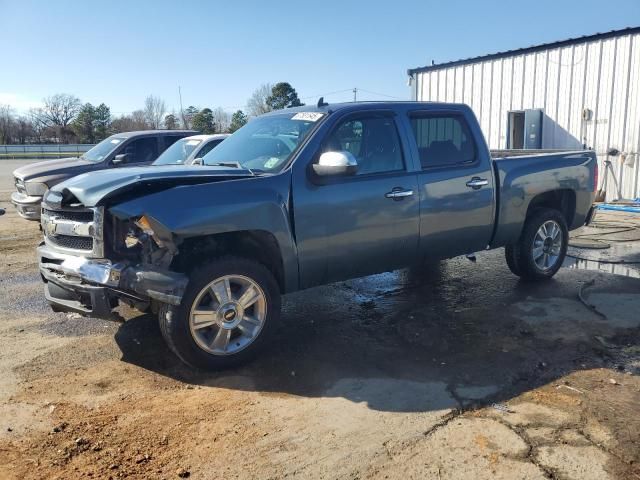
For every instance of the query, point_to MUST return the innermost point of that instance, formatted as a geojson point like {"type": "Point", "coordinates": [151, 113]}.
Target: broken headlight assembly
{"type": "Point", "coordinates": [140, 231]}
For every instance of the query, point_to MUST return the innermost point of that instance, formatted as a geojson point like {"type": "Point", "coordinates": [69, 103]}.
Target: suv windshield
{"type": "Point", "coordinates": [102, 150]}
{"type": "Point", "coordinates": [266, 143]}
{"type": "Point", "coordinates": [177, 153]}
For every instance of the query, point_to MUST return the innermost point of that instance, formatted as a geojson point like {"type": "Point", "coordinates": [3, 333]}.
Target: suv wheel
{"type": "Point", "coordinates": [228, 312]}
{"type": "Point", "coordinates": [542, 247]}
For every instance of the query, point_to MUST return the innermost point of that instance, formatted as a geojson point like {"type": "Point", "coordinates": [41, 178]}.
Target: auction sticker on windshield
{"type": "Point", "coordinates": [308, 116]}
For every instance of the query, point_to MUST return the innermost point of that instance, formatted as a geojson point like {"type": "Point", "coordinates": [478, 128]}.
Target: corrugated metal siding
{"type": "Point", "coordinates": [601, 75]}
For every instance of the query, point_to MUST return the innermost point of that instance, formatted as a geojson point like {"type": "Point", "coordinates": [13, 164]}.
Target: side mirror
{"type": "Point", "coordinates": [1, 211]}
{"type": "Point", "coordinates": [197, 161]}
{"type": "Point", "coordinates": [118, 159]}
{"type": "Point", "coordinates": [334, 164]}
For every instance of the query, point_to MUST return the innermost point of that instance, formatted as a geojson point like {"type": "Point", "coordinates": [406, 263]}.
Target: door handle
{"type": "Point", "coordinates": [477, 182]}
{"type": "Point", "coordinates": [398, 193]}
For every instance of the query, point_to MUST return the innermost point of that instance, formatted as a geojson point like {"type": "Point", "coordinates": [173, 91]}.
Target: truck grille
{"type": "Point", "coordinates": [79, 216]}
{"type": "Point", "coordinates": [74, 231]}
{"type": "Point", "coordinates": [75, 243]}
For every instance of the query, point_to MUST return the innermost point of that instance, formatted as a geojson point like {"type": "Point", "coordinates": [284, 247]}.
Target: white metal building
{"type": "Point", "coordinates": [575, 93]}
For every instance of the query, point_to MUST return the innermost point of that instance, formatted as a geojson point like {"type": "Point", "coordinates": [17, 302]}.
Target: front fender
{"type": "Point", "coordinates": [255, 203]}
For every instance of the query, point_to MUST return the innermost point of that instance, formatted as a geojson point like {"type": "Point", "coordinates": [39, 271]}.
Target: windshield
{"type": "Point", "coordinates": [102, 150]}
{"type": "Point", "coordinates": [177, 153]}
{"type": "Point", "coordinates": [265, 143]}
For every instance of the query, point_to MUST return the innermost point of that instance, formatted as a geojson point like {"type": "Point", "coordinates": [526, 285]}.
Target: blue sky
{"type": "Point", "coordinates": [118, 52]}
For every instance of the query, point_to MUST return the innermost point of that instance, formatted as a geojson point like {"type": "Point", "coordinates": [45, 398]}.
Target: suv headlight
{"type": "Point", "coordinates": [35, 189]}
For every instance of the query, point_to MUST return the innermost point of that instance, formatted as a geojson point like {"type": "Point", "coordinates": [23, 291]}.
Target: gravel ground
{"type": "Point", "coordinates": [456, 371]}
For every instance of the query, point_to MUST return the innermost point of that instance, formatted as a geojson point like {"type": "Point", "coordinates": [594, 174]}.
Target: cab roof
{"type": "Point", "coordinates": [355, 106]}
{"type": "Point", "coordinates": [154, 132]}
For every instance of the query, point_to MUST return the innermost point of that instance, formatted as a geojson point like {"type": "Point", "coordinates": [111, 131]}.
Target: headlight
{"type": "Point", "coordinates": [35, 189]}
{"type": "Point", "coordinates": [145, 231]}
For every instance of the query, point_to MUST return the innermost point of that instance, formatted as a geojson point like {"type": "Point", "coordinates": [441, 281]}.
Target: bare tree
{"type": "Point", "coordinates": [59, 111]}
{"type": "Point", "coordinates": [221, 120]}
{"type": "Point", "coordinates": [257, 104]}
{"type": "Point", "coordinates": [38, 124]}
{"type": "Point", "coordinates": [129, 123]}
{"type": "Point", "coordinates": [154, 110]}
{"type": "Point", "coordinates": [7, 124]}
{"type": "Point", "coordinates": [24, 130]}
{"type": "Point", "coordinates": [139, 120]}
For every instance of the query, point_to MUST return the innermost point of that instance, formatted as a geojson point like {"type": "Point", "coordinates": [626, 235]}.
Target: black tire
{"type": "Point", "coordinates": [512, 254]}
{"type": "Point", "coordinates": [174, 320]}
{"type": "Point", "coordinates": [520, 256]}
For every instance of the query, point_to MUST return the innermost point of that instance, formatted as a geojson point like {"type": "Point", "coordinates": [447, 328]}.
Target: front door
{"type": "Point", "coordinates": [365, 223]}
{"type": "Point", "coordinates": [455, 184]}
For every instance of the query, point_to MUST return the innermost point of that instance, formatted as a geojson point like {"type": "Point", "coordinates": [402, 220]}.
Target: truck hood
{"type": "Point", "coordinates": [53, 169]}
{"type": "Point", "coordinates": [92, 189]}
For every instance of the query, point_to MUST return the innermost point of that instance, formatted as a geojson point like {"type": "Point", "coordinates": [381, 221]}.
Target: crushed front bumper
{"type": "Point", "coordinates": [93, 287]}
{"type": "Point", "coordinates": [27, 207]}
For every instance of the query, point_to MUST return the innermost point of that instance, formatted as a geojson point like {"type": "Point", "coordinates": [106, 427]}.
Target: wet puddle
{"type": "Point", "coordinates": [626, 270]}
{"type": "Point", "coordinates": [615, 258]}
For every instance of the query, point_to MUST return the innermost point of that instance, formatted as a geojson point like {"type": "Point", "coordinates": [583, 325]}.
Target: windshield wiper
{"type": "Point", "coordinates": [226, 164]}
{"type": "Point", "coordinates": [233, 165]}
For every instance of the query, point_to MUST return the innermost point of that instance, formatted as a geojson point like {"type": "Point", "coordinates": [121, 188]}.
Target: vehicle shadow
{"type": "Point", "coordinates": [443, 336]}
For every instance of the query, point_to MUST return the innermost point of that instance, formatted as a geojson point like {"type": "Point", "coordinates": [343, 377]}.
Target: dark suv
{"type": "Point", "coordinates": [120, 150]}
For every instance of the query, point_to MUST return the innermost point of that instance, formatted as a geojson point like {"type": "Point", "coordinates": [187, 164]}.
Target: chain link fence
{"type": "Point", "coordinates": [41, 152]}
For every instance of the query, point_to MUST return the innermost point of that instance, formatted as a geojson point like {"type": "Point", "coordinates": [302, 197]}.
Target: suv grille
{"type": "Point", "coordinates": [75, 243]}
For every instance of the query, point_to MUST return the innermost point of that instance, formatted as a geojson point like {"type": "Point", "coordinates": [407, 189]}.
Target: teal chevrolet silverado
{"type": "Point", "coordinates": [298, 198]}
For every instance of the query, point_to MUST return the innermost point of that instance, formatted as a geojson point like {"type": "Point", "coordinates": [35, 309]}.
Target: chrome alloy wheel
{"type": "Point", "coordinates": [228, 315]}
{"type": "Point", "coordinates": [547, 245]}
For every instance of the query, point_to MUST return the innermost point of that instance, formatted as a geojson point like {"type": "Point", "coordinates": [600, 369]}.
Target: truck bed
{"type": "Point", "coordinates": [522, 182]}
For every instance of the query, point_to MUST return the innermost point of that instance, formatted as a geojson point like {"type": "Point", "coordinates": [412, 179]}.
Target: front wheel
{"type": "Point", "coordinates": [542, 247]}
{"type": "Point", "coordinates": [228, 312]}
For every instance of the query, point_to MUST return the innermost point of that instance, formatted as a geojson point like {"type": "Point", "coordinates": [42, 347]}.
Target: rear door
{"type": "Point", "coordinates": [455, 184]}
{"type": "Point", "coordinates": [365, 223]}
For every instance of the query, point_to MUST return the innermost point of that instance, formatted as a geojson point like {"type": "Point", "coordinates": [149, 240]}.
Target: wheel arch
{"type": "Point", "coordinates": [259, 245]}
{"type": "Point", "coordinates": [563, 200]}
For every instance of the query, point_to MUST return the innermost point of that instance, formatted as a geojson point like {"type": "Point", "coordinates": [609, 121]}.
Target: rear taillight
{"type": "Point", "coordinates": [595, 177]}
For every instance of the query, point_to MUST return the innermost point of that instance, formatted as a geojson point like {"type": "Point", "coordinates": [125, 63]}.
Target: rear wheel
{"type": "Point", "coordinates": [227, 314]}
{"type": "Point", "coordinates": [542, 246]}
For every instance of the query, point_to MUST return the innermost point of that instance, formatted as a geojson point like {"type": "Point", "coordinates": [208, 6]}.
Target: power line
{"type": "Point", "coordinates": [379, 94]}
{"type": "Point", "coordinates": [326, 94]}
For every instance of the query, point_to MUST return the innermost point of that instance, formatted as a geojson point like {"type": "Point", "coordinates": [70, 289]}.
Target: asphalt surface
{"type": "Point", "coordinates": [453, 370]}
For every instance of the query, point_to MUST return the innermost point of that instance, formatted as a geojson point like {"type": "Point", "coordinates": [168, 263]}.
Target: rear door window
{"type": "Point", "coordinates": [443, 140]}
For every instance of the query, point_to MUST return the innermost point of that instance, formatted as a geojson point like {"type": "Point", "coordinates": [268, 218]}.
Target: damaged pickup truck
{"type": "Point", "coordinates": [298, 198]}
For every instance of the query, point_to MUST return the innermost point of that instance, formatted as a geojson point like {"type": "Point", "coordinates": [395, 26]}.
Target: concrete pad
{"type": "Point", "coordinates": [573, 437]}
{"type": "Point", "coordinates": [369, 415]}
{"type": "Point", "coordinates": [575, 463]}
{"type": "Point", "coordinates": [477, 448]}
{"type": "Point", "coordinates": [534, 414]}
{"type": "Point", "coordinates": [544, 315]}
{"type": "Point", "coordinates": [621, 309]}
{"type": "Point", "coordinates": [598, 433]}
{"type": "Point", "coordinates": [541, 435]}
